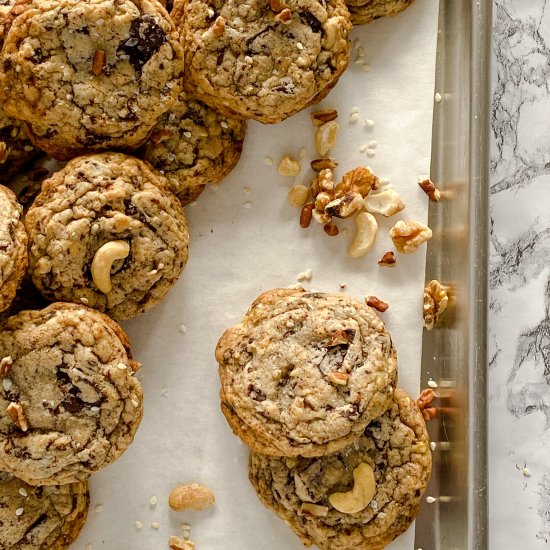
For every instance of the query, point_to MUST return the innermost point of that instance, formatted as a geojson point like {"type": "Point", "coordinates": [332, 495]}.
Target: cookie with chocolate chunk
{"type": "Point", "coordinates": [304, 372]}
{"type": "Point", "coordinates": [41, 518]}
{"type": "Point", "coordinates": [92, 75]}
{"type": "Point", "coordinates": [263, 60]}
{"type": "Point", "coordinates": [69, 403]}
{"type": "Point", "coordinates": [387, 468]}
{"type": "Point", "coordinates": [365, 11]}
{"type": "Point", "coordinates": [13, 247]}
{"type": "Point", "coordinates": [194, 145]}
{"type": "Point", "coordinates": [106, 232]}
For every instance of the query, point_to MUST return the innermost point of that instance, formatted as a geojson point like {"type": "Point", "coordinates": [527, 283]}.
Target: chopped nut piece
{"type": "Point", "coordinates": [5, 366]}
{"type": "Point", "coordinates": [276, 5]}
{"type": "Point", "coordinates": [98, 62]}
{"type": "Point", "coordinates": [321, 164]}
{"type": "Point", "coordinates": [408, 235]}
{"type": "Point", "coordinates": [345, 206]}
{"type": "Point", "coordinates": [218, 27]}
{"type": "Point", "coordinates": [298, 195]}
{"type": "Point", "coordinates": [436, 300]}
{"type": "Point", "coordinates": [321, 200]}
{"type": "Point", "coordinates": [434, 194]}
{"type": "Point", "coordinates": [306, 215]}
{"type": "Point", "coordinates": [376, 303]}
{"type": "Point", "coordinates": [307, 509]}
{"type": "Point", "coordinates": [15, 412]}
{"type": "Point", "coordinates": [331, 230]}
{"type": "Point", "coordinates": [323, 116]}
{"type": "Point", "coordinates": [340, 337]}
{"type": "Point", "coordinates": [430, 413]}
{"type": "Point", "coordinates": [360, 180]}
{"type": "Point", "coordinates": [325, 137]}
{"type": "Point", "coordinates": [426, 397]}
{"type": "Point", "coordinates": [340, 378]}
{"type": "Point", "coordinates": [289, 167]}
{"type": "Point", "coordinates": [321, 217]}
{"type": "Point", "coordinates": [285, 16]}
{"type": "Point", "coordinates": [387, 203]}
{"type": "Point", "coordinates": [193, 496]}
{"type": "Point", "coordinates": [364, 489]}
{"type": "Point", "coordinates": [323, 181]}
{"type": "Point", "coordinates": [387, 260]}
{"type": "Point", "coordinates": [365, 233]}
{"type": "Point", "coordinates": [176, 543]}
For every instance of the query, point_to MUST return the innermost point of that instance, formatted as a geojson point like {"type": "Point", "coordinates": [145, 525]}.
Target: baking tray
{"type": "Point", "coordinates": [454, 353]}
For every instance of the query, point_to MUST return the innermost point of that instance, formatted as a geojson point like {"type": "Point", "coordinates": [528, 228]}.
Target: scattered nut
{"type": "Point", "coordinates": [434, 194]}
{"type": "Point", "coordinates": [276, 5]}
{"type": "Point", "coordinates": [321, 217]}
{"type": "Point", "coordinates": [218, 27]}
{"type": "Point", "coordinates": [426, 397]}
{"type": "Point", "coordinates": [323, 181]}
{"type": "Point", "coordinates": [430, 413]}
{"type": "Point", "coordinates": [193, 496]}
{"type": "Point", "coordinates": [376, 303]}
{"type": "Point", "coordinates": [289, 167]}
{"type": "Point", "coordinates": [307, 509]}
{"type": "Point", "coordinates": [364, 489]}
{"type": "Point", "coordinates": [298, 195]}
{"type": "Point", "coordinates": [5, 366]}
{"type": "Point", "coordinates": [436, 300]}
{"type": "Point", "coordinates": [103, 261]}
{"type": "Point", "coordinates": [360, 180]}
{"type": "Point", "coordinates": [321, 201]}
{"type": "Point", "coordinates": [306, 215]}
{"type": "Point", "coordinates": [176, 543]}
{"type": "Point", "coordinates": [321, 164]}
{"type": "Point", "coordinates": [366, 229]}
{"type": "Point", "coordinates": [387, 260]}
{"type": "Point", "coordinates": [339, 378]}
{"type": "Point", "coordinates": [331, 230]}
{"type": "Point", "coordinates": [345, 206]}
{"type": "Point", "coordinates": [322, 116]}
{"type": "Point", "coordinates": [387, 203]}
{"type": "Point", "coordinates": [15, 412]}
{"type": "Point", "coordinates": [285, 16]}
{"type": "Point", "coordinates": [325, 137]}
{"type": "Point", "coordinates": [98, 62]}
{"type": "Point", "coordinates": [408, 235]}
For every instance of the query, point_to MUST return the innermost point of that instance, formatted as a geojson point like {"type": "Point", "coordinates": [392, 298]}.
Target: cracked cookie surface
{"type": "Point", "coordinates": [90, 75]}
{"type": "Point", "coordinates": [395, 446]}
{"type": "Point", "coordinates": [304, 373]}
{"type": "Point", "coordinates": [51, 517]}
{"type": "Point", "coordinates": [193, 145]}
{"type": "Point", "coordinates": [365, 11]}
{"type": "Point", "coordinates": [69, 403]}
{"type": "Point", "coordinates": [13, 247]}
{"type": "Point", "coordinates": [263, 60]}
{"type": "Point", "coordinates": [95, 200]}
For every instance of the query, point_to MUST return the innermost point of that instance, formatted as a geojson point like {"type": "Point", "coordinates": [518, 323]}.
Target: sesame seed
{"type": "Point", "coordinates": [224, 125]}
{"type": "Point", "coordinates": [438, 97]}
{"type": "Point", "coordinates": [526, 472]}
{"type": "Point", "coordinates": [371, 152]}
{"type": "Point", "coordinates": [186, 527]}
{"type": "Point", "coordinates": [121, 366]}
{"type": "Point", "coordinates": [363, 148]}
{"type": "Point", "coordinates": [187, 134]}
{"type": "Point", "coordinates": [135, 403]}
{"type": "Point", "coordinates": [303, 152]}
{"type": "Point", "coordinates": [23, 492]}
{"type": "Point", "coordinates": [164, 392]}
{"type": "Point", "coordinates": [153, 500]}
{"type": "Point", "coordinates": [366, 67]}
{"type": "Point", "coordinates": [19, 511]}
{"type": "Point", "coordinates": [354, 117]}
{"type": "Point", "coordinates": [369, 123]}
{"type": "Point", "coordinates": [433, 445]}
{"type": "Point", "coordinates": [211, 12]}
{"type": "Point", "coordinates": [85, 301]}
{"type": "Point", "coordinates": [88, 547]}
{"type": "Point", "coordinates": [373, 144]}
{"type": "Point", "coordinates": [430, 500]}
{"type": "Point", "coordinates": [94, 409]}
{"type": "Point", "coordinates": [432, 383]}
{"type": "Point", "coordinates": [299, 45]}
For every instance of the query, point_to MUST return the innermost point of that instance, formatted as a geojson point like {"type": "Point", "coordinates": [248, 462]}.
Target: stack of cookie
{"type": "Point", "coordinates": [308, 383]}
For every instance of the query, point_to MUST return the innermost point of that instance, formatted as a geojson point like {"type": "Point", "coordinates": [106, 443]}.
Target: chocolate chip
{"type": "Point", "coordinates": [146, 37]}
{"type": "Point", "coordinates": [256, 394]}
{"type": "Point", "coordinates": [309, 19]}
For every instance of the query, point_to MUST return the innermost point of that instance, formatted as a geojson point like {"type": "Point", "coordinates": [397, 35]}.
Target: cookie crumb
{"type": "Point", "coordinates": [268, 161]}
{"type": "Point", "coordinates": [153, 500]}
{"type": "Point", "coordinates": [98, 508]}
{"type": "Point", "coordinates": [430, 500]}
{"type": "Point", "coordinates": [369, 123]}
{"type": "Point", "coordinates": [183, 329]}
{"type": "Point", "coordinates": [138, 524]}
{"type": "Point", "coordinates": [155, 525]}
{"type": "Point", "coordinates": [164, 392]}
{"type": "Point", "coordinates": [247, 204]}
{"type": "Point", "coordinates": [193, 496]}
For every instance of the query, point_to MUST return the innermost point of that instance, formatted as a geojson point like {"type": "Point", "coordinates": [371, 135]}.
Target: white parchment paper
{"type": "Point", "coordinates": [245, 239]}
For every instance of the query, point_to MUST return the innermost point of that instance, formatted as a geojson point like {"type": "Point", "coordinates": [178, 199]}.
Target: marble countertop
{"type": "Point", "coordinates": [519, 321]}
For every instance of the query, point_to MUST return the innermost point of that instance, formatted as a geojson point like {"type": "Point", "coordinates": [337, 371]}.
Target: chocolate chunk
{"type": "Point", "coordinates": [146, 38]}
{"type": "Point", "coordinates": [309, 19]}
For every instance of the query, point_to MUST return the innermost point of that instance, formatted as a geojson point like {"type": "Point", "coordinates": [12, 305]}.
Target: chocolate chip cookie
{"type": "Point", "coordinates": [5, 9]}
{"type": "Point", "coordinates": [193, 145]}
{"type": "Point", "coordinates": [40, 518]}
{"type": "Point", "coordinates": [304, 373]}
{"type": "Point", "coordinates": [91, 75]}
{"type": "Point", "coordinates": [365, 11]}
{"type": "Point", "coordinates": [13, 247]}
{"type": "Point", "coordinates": [263, 59]}
{"type": "Point", "coordinates": [361, 497]}
{"type": "Point", "coordinates": [105, 232]}
{"type": "Point", "coordinates": [69, 403]}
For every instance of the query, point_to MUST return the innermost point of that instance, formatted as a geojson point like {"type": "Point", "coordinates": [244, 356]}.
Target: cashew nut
{"type": "Point", "coordinates": [103, 261]}
{"type": "Point", "coordinates": [325, 137]}
{"type": "Point", "coordinates": [364, 489]}
{"type": "Point", "coordinates": [365, 233]}
{"type": "Point", "coordinates": [386, 203]}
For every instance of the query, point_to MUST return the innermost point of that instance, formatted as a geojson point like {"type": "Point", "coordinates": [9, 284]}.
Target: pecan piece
{"type": "Point", "coordinates": [331, 230]}
{"type": "Point", "coordinates": [426, 397]}
{"type": "Point", "coordinates": [98, 62]}
{"type": "Point", "coordinates": [428, 186]}
{"type": "Point", "coordinates": [276, 5]}
{"type": "Point", "coordinates": [376, 303]}
{"type": "Point", "coordinates": [306, 214]}
{"type": "Point", "coordinates": [218, 27]}
{"type": "Point", "coordinates": [387, 260]}
{"type": "Point", "coordinates": [322, 164]}
{"type": "Point", "coordinates": [323, 116]}
{"type": "Point", "coordinates": [285, 16]}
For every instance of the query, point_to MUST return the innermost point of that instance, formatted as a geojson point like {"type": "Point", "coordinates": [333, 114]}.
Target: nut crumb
{"type": "Point", "coordinates": [376, 303]}
{"type": "Point", "coordinates": [387, 203]}
{"type": "Point", "coordinates": [322, 164]}
{"type": "Point", "coordinates": [218, 28]}
{"type": "Point", "coordinates": [331, 230]}
{"type": "Point", "coordinates": [193, 496]}
{"type": "Point", "coordinates": [428, 186]}
{"type": "Point", "coordinates": [298, 195]}
{"type": "Point", "coordinates": [436, 300]}
{"type": "Point", "coordinates": [176, 543]}
{"type": "Point", "coordinates": [339, 378]}
{"type": "Point", "coordinates": [322, 116]}
{"type": "Point", "coordinates": [98, 508]}
{"type": "Point", "coordinates": [343, 285]}
{"type": "Point", "coordinates": [388, 259]}
{"type": "Point", "coordinates": [289, 167]}
{"type": "Point", "coordinates": [408, 235]}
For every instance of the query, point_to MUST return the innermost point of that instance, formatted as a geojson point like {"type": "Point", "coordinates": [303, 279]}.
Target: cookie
{"type": "Point", "coordinates": [5, 9]}
{"type": "Point", "coordinates": [304, 373]}
{"type": "Point", "coordinates": [365, 11]}
{"type": "Point", "coordinates": [390, 462]}
{"type": "Point", "coordinates": [87, 76]}
{"type": "Point", "coordinates": [16, 149]}
{"type": "Point", "coordinates": [13, 247]}
{"type": "Point", "coordinates": [193, 145]}
{"type": "Point", "coordinates": [69, 403]}
{"type": "Point", "coordinates": [105, 232]}
{"type": "Point", "coordinates": [263, 59]}
{"type": "Point", "coordinates": [41, 518]}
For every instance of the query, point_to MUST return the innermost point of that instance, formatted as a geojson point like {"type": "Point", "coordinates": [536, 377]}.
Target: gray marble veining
{"type": "Point", "coordinates": [519, 340]}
